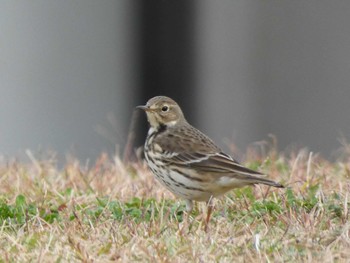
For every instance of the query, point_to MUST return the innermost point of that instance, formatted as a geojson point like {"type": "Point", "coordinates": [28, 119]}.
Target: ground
{"type": "Point", "coordinates": [116, 211]}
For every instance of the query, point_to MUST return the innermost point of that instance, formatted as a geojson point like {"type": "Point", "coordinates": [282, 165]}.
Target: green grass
{"type": "Point", "coordinates": [116, 212]}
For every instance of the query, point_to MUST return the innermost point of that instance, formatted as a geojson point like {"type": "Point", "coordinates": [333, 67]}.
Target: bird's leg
{"type": "Point", "coordinates": [209, 211]}
{"type": "Point", "coordinates": [189, 205]}
{"type": "Point", "coordinates": [186, 218]}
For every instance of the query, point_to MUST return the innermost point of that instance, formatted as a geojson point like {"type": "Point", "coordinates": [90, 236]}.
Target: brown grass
{"type": "Point", "coordinates": [308, 221]}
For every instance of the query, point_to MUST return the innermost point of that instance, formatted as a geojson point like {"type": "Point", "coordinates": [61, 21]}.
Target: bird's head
{"type": "Point", "coordinates": [162, 110]}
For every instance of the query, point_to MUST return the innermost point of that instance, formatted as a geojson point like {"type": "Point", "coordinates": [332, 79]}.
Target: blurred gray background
{"type": "Point", "coordinates": [72, 71]}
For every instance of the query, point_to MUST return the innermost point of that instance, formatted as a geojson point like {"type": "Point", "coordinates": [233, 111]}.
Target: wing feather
{"type": "Point", "coordinates": [220, 165]}
{"type": "Point", "coordinates": [195, 151]}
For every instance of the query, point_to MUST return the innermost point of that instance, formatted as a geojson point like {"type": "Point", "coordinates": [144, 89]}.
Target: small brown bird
{"type": "Point", "coordinates": [186, 161]}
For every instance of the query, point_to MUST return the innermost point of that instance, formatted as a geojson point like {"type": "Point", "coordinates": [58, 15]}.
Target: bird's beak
{"type": "Point", "coordinates": [143, 107]}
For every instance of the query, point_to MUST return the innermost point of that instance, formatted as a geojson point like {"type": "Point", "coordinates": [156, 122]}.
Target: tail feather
{"type": "Point", "coordinates": [268, 182]}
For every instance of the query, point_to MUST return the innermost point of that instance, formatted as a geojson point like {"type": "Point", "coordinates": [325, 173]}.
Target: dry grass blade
{"type": "Point", "coordinates": [117, 212]}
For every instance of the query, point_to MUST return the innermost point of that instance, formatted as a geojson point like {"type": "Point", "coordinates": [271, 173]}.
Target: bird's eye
{"type": "Point", "coordinates": [165, 108]}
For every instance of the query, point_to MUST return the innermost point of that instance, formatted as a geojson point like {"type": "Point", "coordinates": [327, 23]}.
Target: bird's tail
{"type": "Point", "coordinates": [253, 177]}
{"type": "Point", "coordinates": [259, 180]}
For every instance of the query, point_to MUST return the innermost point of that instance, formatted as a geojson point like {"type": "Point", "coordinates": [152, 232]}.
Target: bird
{"type": "Point", "coordinates": [186, 161]}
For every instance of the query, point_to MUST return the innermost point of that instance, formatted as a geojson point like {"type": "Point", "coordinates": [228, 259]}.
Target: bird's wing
{"type": "Point", "coordinates": [220, 165]}
{"type": "Point", "coordinates": [192, 148]}
{"type": "Point", "coordinates": [197, 152]}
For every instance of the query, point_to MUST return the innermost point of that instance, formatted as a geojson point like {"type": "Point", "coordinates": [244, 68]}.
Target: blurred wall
{"type": "Point", "coordinates": [66, 76]}
{"type": "Point", "coordinates": [71, 72]}
{"type": "Point", "coordinates": [278, 67]}
{"type": "Point", "coordinates": [166, 61]}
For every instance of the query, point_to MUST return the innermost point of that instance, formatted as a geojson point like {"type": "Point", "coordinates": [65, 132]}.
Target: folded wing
{"type": "Point", "coordinates": [221, 165]}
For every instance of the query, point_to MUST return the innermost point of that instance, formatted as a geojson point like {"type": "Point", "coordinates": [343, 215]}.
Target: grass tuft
{"type": "Point", "coordinates": [118, 212]}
